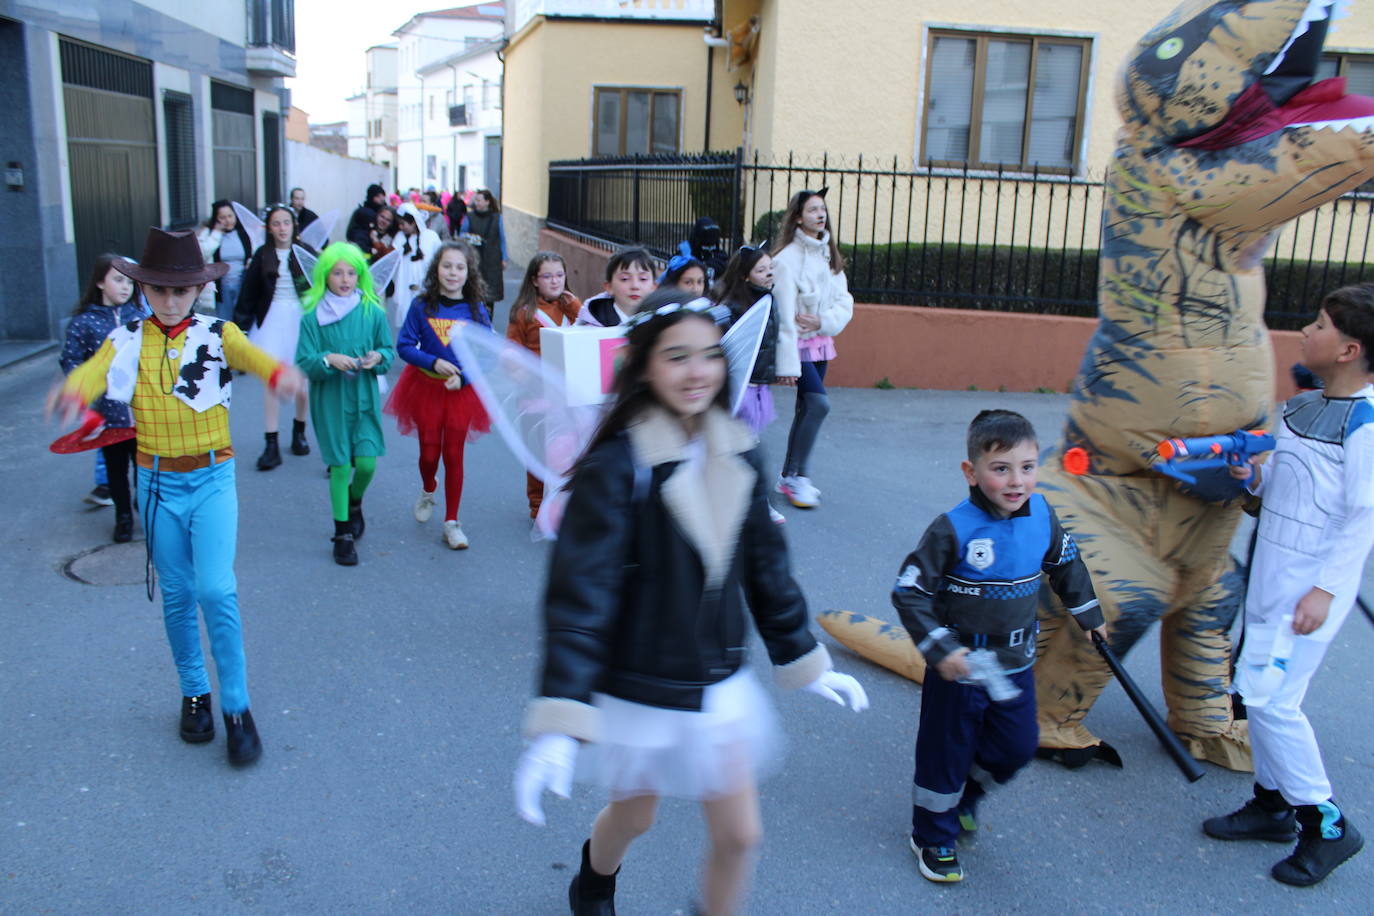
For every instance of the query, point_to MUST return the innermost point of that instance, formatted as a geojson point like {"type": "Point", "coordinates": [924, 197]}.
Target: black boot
{"type": "Point", "coordinates": [355, 518]}
{"type": "Point", "coordinates": [1325, 840]}
{"type": "Point", "coordinates": [197, 722]}
{"type": "Point", "coordinates": [591, 893]}
{"type": "Point", "coordinates": [298, 444]}
{"type": "Point", "coordinates": [244, 744]}
{"type": "Point", "coordinates": [345, 554]}
{"type": "Point", "coordinates": [124, 527]}
{"type": "Point", "coordinates": [1265, 817]}
{"type": "Point", "coordinates": [271, 455]}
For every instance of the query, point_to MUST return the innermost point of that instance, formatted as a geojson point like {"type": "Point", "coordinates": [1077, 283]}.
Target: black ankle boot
{"type": "Point", "coordinates": [1265, 817]}
{"type": "Point", "coordinates": [197, 722]}
{"type": "Point", "coordinates": [124, 527]}
{"type": "Point", "coordinates": [244, 744]}
{"type": "Point", "coordinates": [591, 893]}
{"type": "Point", "coordinates": [1326, 839]}
{"type": "Point", "coordinates": [298, 444]}
{"type": "Point", "coordinates": [271, 455]}
{"type": "Point", "coordinates": [355, 518]}
{"type": "Point", "coordinates": [345, 554]}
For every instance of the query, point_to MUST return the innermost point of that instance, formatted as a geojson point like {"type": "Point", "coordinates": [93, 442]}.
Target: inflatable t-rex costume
{"type": "Point", "coordinates": [1226, 138]}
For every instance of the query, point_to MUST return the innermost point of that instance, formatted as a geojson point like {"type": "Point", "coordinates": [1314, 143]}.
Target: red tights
{"type": "Point", "coordinates": [450, 445]}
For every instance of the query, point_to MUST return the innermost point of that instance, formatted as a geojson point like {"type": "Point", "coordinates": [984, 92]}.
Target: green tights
{"type": "Point", "coordinates": [342, 491]}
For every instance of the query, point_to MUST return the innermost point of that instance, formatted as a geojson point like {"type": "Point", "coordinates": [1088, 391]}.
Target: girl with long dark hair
{"type": "Point", "coordinates": [665, 532]}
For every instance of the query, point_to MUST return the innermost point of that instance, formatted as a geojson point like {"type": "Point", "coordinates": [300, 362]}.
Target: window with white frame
{"type": "Point", "coordinates": [630, 121]}
{"type": "Point", "coordinates": [1004, 100]}
{"type": "Point", "coordinates": [470, 98]}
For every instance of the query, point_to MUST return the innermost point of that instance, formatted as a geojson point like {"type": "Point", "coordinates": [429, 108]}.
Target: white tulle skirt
{"type": "Point", "coordinates": [647, 750]}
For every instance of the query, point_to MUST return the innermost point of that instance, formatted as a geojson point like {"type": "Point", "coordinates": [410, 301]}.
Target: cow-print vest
{"type": "Point", "coordinates": [203, 375]}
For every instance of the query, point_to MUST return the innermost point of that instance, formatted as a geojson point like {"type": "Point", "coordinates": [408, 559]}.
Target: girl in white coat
{"type": "Point", "coordinates": [813, 304]}
{"type": "Point", "coordinates": [417, 245]}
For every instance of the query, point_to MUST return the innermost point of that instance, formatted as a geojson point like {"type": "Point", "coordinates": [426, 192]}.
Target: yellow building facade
{"type": "Point", "coordinates": [1000, 84]}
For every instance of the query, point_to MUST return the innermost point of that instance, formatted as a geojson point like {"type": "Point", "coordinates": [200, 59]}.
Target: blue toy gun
{"type": "Point", "coordinates": [1180, 457]}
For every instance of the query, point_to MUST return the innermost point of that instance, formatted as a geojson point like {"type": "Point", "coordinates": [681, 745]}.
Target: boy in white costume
{"type": "Point", "coordinates": [1316, 526]}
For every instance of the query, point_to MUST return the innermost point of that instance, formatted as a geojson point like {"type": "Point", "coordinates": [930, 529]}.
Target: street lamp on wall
{"type": "Point", "coordinates": [741, 92]}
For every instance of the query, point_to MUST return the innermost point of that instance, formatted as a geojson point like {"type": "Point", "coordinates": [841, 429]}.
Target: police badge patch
{"type": "Point", "coordinates": [979, 554]}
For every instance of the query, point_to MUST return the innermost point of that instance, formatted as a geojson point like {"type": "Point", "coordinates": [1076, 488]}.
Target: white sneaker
{"type": "Point", "coordinates": [424, 507]}
{"type": "Point", "coordinates": [799, 492]}
{"type": "Point", "coordinates": [454, 536]}
{"type": "Point", "coordinates": [775, 516]}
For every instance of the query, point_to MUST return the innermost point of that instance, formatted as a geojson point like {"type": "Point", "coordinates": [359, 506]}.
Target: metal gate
{"type": "Point", "coordinates": [271, 156]}
{"type": "Point", "coordinates": [493, 166]}
{"type": "Point", "coordinates": [235, 153]}
{"type": "Point", "coordinates": [112, 150]}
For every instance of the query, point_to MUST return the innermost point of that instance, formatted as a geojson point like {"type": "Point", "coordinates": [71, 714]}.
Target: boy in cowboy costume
{"type": "Point", "coordinates": [174, 370]}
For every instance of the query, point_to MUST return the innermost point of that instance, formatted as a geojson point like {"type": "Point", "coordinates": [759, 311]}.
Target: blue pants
{"type": "Point", "coordinates": [966, 745]}
{"type": "Point", "coordinates": [102, 477]}
{"type": "Point", "coordinates": [228, 298]}
{"type": "Point", "coordinates": [191, 521]}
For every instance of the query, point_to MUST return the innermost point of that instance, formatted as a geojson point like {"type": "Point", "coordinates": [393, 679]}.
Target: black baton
{"type": "Point", "coordinates": [1185, 762]}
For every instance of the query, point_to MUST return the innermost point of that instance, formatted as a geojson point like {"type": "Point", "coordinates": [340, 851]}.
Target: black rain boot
{"type": "Point", "coordinates": [271, 455]}
{"type": "Point", "coordinates": [244, 744]}
{"type": "Point", "coordinates": [1267, 816]}
{"type": "Point", "coordinates": [345, 554]}
{"type": "Point", "coordinates": [591, 893]}
{"type": "Point", "coordinates": [197, 722]}
{"type": "Point", "coordinates": [1325, 840]}
{"type": "Point", "coordinates": [355, 518]}
{"type": "Point", "coordinates": [124, 527]}
{"type": "Point", "coordinates": [298, 444]}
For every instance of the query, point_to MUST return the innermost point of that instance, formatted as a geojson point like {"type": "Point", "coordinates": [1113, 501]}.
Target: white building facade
{"type": "Point", "coordinates": [372, 113]}
{"type": "Point", "coordinates": [449, 98]}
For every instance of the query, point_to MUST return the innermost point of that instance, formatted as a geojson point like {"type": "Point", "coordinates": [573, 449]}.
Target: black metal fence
{"type": "Point", "coordinates": [926, 236]}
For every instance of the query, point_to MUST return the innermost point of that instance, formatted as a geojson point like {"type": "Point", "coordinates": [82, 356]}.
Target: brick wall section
{"type": "Point", "coordinates": [937, 348]}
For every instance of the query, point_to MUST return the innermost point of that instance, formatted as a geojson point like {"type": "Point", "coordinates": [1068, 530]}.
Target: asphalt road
{"type": "Point", "coordinates": [389, 698]}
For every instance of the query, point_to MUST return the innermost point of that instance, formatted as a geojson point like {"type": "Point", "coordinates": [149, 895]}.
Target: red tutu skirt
{"type": "Point", "coordinates": [420, 401]}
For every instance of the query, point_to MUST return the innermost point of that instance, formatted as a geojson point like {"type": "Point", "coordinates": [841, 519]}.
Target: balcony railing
{"type": "Point", "coordinates": [689, 10]}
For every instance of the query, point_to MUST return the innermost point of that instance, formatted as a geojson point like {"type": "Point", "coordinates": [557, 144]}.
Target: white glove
{"type": "Point", "coordinates": [546, 764]}
{"type": "Point", "coordinates": [832, 685]}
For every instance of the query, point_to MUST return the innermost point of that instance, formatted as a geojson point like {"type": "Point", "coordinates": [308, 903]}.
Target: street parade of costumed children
{"type": "Point", "coordinates": [431, 399]}
{"type": "Point", "coordinates": [667, 546]}
{"type": "Point", "coordinates": [345, 344]}
{"type": "Point", "coordinates": [174, 371]}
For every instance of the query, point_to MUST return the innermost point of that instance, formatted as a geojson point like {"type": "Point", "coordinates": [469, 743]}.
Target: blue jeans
{"type": "Point", "coordinates": [191, 520]}
{"type": "Point", "coordinates": [102, 477]}
{"type": "Point", "coordinates": [228, 297]}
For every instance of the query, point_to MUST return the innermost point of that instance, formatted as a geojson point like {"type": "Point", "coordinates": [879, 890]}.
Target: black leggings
{"type": "Point", "coordinates": [118, 457]}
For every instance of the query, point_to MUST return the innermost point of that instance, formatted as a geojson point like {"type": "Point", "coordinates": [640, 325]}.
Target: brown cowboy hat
{"type": "Point", "coordinates": [171, 259]}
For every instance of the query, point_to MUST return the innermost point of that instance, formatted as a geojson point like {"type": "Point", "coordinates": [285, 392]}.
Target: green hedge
{"type": "Point", "coordinates": [1049, 281]}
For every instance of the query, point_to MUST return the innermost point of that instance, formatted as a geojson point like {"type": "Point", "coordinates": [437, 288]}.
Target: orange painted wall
{"type": "Point", "coordinates": [937, 348]}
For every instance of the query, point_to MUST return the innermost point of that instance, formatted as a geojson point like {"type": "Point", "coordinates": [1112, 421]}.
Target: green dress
{"type": "Point", "coordinates": [346, 407]}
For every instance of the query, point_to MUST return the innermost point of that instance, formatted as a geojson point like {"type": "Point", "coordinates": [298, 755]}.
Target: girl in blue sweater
{"type": "Point", "coordinates": [431, 398]}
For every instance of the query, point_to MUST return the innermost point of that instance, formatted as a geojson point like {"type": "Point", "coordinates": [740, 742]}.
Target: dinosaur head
{"type": "Point", "coordinates": [1188, 72]}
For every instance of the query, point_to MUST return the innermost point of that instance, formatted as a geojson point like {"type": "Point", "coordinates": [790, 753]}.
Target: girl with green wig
{"type": "Point", "coordinates": [344, 347]}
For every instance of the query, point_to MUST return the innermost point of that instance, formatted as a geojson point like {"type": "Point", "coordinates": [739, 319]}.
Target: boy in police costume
{"type": "Point", "coordinates": [972, 583]}
{"type": "Point", "coordinates": [174, 369]}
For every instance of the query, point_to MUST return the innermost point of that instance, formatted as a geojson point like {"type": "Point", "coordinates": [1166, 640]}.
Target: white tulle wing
{"type": "Point", "coordinates": [528, 406]}
{"type": "Point", "coordinates": [741, 344]}
{"type": "Point", "coordinates": [307, 262]}
{"type": "Point", "coordinates": [383, 269]}
{"type": "Point", "coordinates": [316, 235]}
{"type": "Point", "coordinates": [256, 228]}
